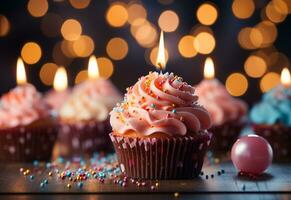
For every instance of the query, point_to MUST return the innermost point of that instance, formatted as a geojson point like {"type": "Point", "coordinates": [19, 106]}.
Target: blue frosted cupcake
{"type": "Point", "coordinates": [271, 118]}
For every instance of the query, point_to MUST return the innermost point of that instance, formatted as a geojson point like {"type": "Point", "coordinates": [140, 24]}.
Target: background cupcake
{"type": "Point", "coordinates": [228, 114]}
{"type": "Point", "coordinates": [84, 118]}
{"type": "Point", "coordinates": [56, 97]}
{"type": "Point", "coordinates": [159, 130]}
{"type": "Point", "coordinates": [271, 118]}
{"type": "Point", "coordinates": [27, 130]}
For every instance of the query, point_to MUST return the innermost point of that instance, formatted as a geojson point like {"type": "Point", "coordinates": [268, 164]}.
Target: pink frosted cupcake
{"type": "Point", "coordinates": [84, 122]}
{"type": "Point", "coordinates": [27, 130]}
{"type": "Point", "coordinates": [159, 130]}
{"type": "Point", "coordinates": [228, 114]}
{"type": "Point", "coordinates": [56, 99]}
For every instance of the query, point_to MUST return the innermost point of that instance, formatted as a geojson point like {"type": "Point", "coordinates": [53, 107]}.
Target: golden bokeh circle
{"type": "Point", "coordinates": [243, 9]}
{"type": "Point", "coordinates": [117, 15]}
{"type": "Point", "coordinates": [269, 81]}
{"type": "Point", "coordinates": [71, 29]}
{"type": "Point", "coordinates": [81, 76]}
{"type": "Point", "coordinates": [47, 73]}
{"type": "Point", "coordinates": [168, 21]}
{"type": "Point", "coordinates": [80, 4]}
{"type": "Point", "coordinates": [236, 84]}
{"type": "Point", "coordinates": [137, 14]}
{"type": "Point", "coordinates": [31, 52]}
{"type": "Point", "coordinates": [146, 35]}
{"type": "Point", "coordinates": [255, 66]}
{"type": "Point", "coordinates": [186, 46]}
{"type": "Point", "coordinates": [204, 43]}
{"type": "Point", "coordinates": [276, 11]}
{"type": "Point", "coordinates": [4, 25]}
{"type": "Point", "coordinates": [268, 31]}
{"type": "Point", "coordinates": [106, 67]}
{"type": "Point", "coordinates": [207, 14]}
{"type": "Point", "coordinates": [37, 8]}
{"type": "Point", "coordinates": [84, 46]}
{"type": "Point", "coordinates": [117, 48]}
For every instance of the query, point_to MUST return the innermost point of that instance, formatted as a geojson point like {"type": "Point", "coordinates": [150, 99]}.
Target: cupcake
{"type": "Point", "coordinates": [84, 118]}
{"type": "Point", "coordinates": [56, 97]}
{"type": "Point", "coordinates": [228, 114]}
{"type": "Point", "coordinates": [159, 130]}
{"type": "Point", "coordinates": [271, 118]}
{"type": "Point", "coordinates": [27, 130]}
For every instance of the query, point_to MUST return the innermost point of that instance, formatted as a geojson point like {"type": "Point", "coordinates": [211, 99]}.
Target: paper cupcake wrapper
{"type": "Point", "coordinates": [26, 144]}
{"type": "Point", "coordinates": [158, 158]}
{"type": "Point", "coordinates": [224, 136]}
{"type": "Point", "coordinates": [84, 139]}
{"type": "Point", "coordinates": [279, 138]}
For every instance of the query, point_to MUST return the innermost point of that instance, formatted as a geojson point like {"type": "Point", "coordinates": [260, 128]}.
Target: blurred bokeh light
{"type": "Point", "coordinates": [248, 40]}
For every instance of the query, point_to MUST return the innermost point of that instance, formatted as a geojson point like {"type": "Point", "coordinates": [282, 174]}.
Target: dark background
{"type": "Point", "coordinates": [228, 55]}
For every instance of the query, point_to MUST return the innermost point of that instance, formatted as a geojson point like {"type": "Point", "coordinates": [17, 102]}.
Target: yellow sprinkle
{"type": "Point", "coordinates": [50, 173]}
{"type": "Point", "coordinates": [176, 194]}
{"type": "Point", "coordinates": [69, 185]}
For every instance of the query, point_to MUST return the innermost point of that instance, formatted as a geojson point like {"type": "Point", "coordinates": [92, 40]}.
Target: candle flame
{"type": "Point", "coordinates": [285, 77]}
{"type": "Point", "coordinates": [93, 69]}
{"type": "Point", "coordinates": [20, 72]}
{"type": "Point", "coordinates": [61, 79]}
{"type": "Point", "coordinates": [209, 68]}
{"type": "Point", "coordinates": [161, 58]}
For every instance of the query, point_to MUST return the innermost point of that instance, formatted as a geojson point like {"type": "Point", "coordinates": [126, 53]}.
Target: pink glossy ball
{"type": "Point", "coordinates": [251, 154]}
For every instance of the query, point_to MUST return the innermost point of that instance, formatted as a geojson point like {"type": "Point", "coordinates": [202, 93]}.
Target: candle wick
{"type": "Point", "coordinates": [160, 67]}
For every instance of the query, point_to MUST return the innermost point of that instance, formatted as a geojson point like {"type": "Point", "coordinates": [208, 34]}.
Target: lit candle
{"type": "Point", "coordinates": [61, 80]}
{"type": "Point", "coordinates": [285, 77]}
{"type": "Point", "coordinates": [20, 73]}
{"type": "Point", "coordinates": [93, 69]}
{"type": "Point", "coordinates": [209, 69]}
{"type": "Point", "coordinates": [161, 57]}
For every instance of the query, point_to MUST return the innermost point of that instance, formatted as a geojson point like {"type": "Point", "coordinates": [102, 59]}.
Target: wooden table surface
{"type": "Point", "coordinates": [274, 184]}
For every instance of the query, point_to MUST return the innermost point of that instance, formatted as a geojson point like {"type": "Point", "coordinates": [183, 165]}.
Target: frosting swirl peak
{"type": "Point", "coordinates": [160, 103]}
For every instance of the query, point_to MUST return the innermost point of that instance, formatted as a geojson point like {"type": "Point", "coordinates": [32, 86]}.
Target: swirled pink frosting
{"type": "Point", "coordinates": [22, 106]}
{"type": "Point", "coordinates": [221, 106]}
{"type": "Point", "coordinates": [160, 103]}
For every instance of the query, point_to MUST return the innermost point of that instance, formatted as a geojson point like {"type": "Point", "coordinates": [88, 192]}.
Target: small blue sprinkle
{"type": "Point", "coordinates": [101, 175]}
{"type": "Point", "coordinates": [174, 111]}
{"type": "Point", "coordinates": [153, 105]}
{"type": "Point", "coordinates": [45, 181]}
{"type": "Point", "coordinates": [31, 177]}
{"type": "Point", "coordinates": [68, 173]}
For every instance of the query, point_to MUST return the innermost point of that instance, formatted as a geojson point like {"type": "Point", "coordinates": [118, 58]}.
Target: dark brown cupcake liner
{"type": "Point", "coordinates": [84, 139]}
{"type": "Point", "coordinates": [225, 135]}
{"type": "Point", "coordinates": [279, 138]}
{"type": "Point", "coordinates": [161, 158]}
{"type": "Point", "coordinates": [27, 143]}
